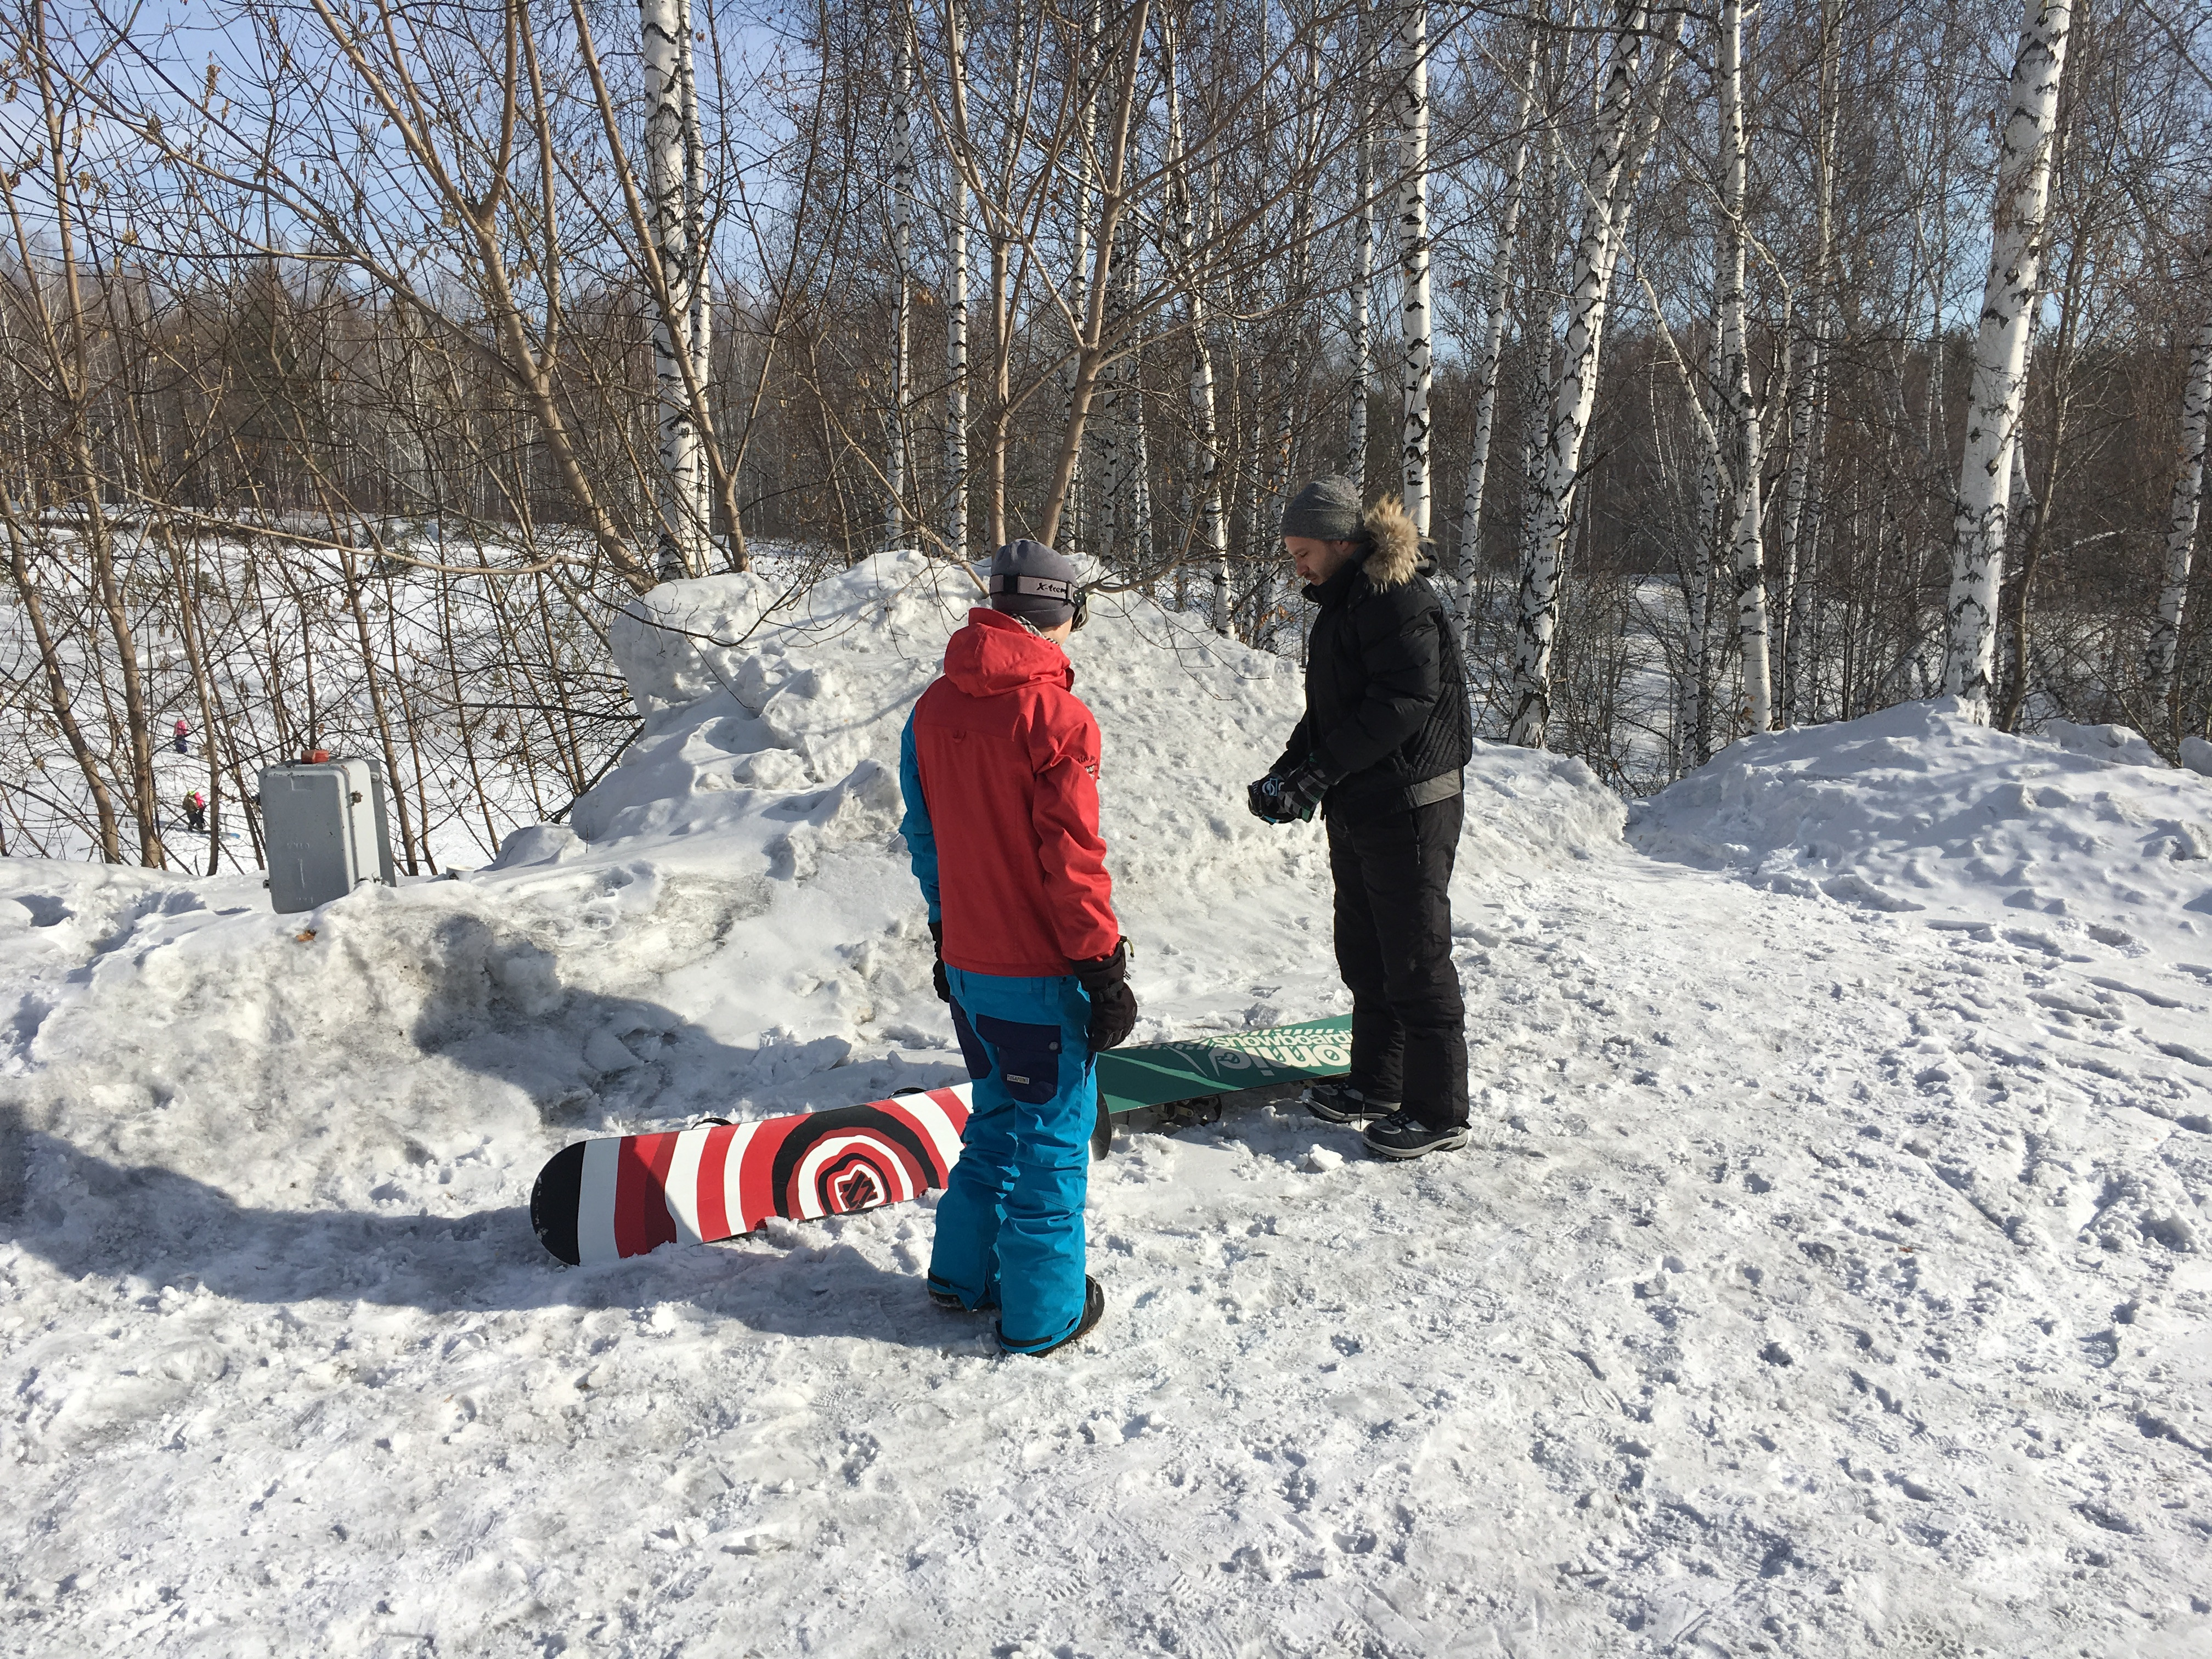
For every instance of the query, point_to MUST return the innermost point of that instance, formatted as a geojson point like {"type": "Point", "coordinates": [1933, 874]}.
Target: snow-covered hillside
{"type": "Point", "coordinates": [1828, 1275]}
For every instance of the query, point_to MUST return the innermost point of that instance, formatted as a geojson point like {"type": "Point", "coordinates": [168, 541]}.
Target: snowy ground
{"type": "Point", "coordinates": [1828, 1276]}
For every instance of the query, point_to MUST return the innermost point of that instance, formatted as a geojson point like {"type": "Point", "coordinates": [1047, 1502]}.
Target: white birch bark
{"type": "Point", "coordinates": [1363, 280]}
{"type": "Point", "coordinates": [1809, 403]}
{"type": "Point", "coordinates": [1747, 457]}
{"type": "Point", "coordinates": [1999, 383]}
{"type": "Point", "coordinates": [671, 183]}
{"type": "Point", "coordinates": [1415, 300]}
{"type": "Point", "coordinates": [1495, 306]}
{"type": "Point", "coordinates": [702, 290]}
{"type": "Point", "coordinates": [1698, 673]}
{"type": "Point", "coordinates": [1139, 488]}
{"type": "Point", "coordinates": [956, 324]}
{"type": "Point", "coordinates": [1292, 401]}
{"type": "Point", "coordinates": [902, 222]}
{"type": "Point", "coordinates": [2181, 522]}
{"type": "Point", "coordinates": [1080, 529]}
{"type": "Point", "coordinates": [1212, 524]}
{"type": "Point", "coordinates": [1610, 178]}
{"type": "Point", "coordinates": [1540, 335]}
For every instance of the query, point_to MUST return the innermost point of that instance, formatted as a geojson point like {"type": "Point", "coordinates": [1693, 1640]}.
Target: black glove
{"type": "Point", "coordinates": [937, 974]}
{"type": "Point", "coordinates": [1113, 1003]}
{"type": "Point", "coordinates": [1288, 797]}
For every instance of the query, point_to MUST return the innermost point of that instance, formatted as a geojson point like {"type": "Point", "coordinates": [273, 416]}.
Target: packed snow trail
{"type": "Point", "coordinates": [1828, 1277]}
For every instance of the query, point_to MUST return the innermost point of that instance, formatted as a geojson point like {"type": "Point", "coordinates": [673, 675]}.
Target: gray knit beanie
{"type": "Point", "coordinates": [1327, 509]}
{"type": "Point", "coordinates": [1029, 580]}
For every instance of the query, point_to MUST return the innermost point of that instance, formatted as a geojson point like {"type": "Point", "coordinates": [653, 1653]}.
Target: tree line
{"type": "Point", "coordinates": [1744, 366]}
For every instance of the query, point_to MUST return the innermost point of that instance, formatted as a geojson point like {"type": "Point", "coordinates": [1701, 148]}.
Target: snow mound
{"type": "Point", "coordinates": [772, 731]}
{"type": "Point", "coordinates": [1918, 808]}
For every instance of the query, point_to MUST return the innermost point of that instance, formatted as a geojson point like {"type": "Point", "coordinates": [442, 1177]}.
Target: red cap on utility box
{"type": "Point", "coordinates": [312, 756]}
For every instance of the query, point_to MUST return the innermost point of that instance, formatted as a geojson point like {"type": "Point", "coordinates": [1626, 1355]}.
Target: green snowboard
{"type": "Point", "coordinates": [1205, 1069]}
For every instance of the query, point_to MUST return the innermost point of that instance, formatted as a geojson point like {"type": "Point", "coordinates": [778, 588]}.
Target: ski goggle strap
{"type": "Point", "coordinates": [1045, 587]}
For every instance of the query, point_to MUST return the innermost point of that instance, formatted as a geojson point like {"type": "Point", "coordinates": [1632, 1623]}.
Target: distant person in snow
{"type": "Point", "coordinates": [183, 738]}
{"type": "Point", "coordinates": [999, 768]}
{"type": "Point", "coordinates": [1381, 752]}
{"type": "Point", "coordinates": [196, 810]}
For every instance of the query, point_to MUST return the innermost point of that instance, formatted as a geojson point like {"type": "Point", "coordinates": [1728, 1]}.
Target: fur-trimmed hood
{"type": "Point", "coordinates": [1395, 554]}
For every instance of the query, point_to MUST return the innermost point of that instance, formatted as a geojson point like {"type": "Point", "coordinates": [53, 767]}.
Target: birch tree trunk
{"type": "Point", "coordinates": [1999, 382]}
{"type": "Point", "coordinates": [956, 321]}
{"type": "Point", "coordinates": [1363, 275]}
{"type": "Point", "coordinates": [1493, 340]}
{"type": "Point", "coordinates": [1212, 525]}
{"type": "Point", "coordinates": [671, 107]}
{"type": "Point", "coordinates": [1809, 403]}
{"type": "Point", "coordinates": [1414, 297]}
{"type": "Point", "coordinates": [902, 222]}
{"type": "Point", "coordinates": [1611, 177]}
{"type": "Point", "coordinates": [1071, 505]}
{"type": "Point", "coordinates": [1698, 671]}
{"type": "Point", "coordinates": [1092, 346]}
{"type": "Point", "coordinates": [702, 298]}
{"type": "Point", "coordinates": [1748, 456]}
{"type": "Point", "coordinates": [1294, 402]}
{"type": "Point", "coordinates": [2181, 528]}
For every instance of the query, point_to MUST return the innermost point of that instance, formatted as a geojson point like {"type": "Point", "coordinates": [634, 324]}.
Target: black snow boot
{"type": "Point", "coordinates": [1094, 1309]}
{"type": "Point", "coordinates": [948, 1299]}
{"type": "Point", "coordinates": [1403, 1135]}
{"type": "Point", "coordinates": [1339, 1102]}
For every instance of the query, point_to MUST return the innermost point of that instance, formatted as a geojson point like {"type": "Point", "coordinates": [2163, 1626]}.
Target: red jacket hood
{"type": "Point", "coordinates": [995, 653]}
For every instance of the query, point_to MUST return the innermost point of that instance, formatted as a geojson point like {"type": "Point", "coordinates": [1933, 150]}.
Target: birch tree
{"type": "Point", "coordinates": [1609, 183]}
{"type": "Point", "coordinates": [1362, 342]}
{"type": "Point", "coordinates": [2180, 529]}
{"type": "Point", "coordinates": [1808, 383]}
{"type": "Point", "coordinates": [1746, 452]}
{"type": "Point", "coordinates": [675, 198]}
{"type": "Point", "coordinates": [1212, 526]}
{"type": "Point", "coordinates": [956, 313]}
{"type": "Point", "coordinates": [1415, 301]}
{"type": "Point", "coordinates": [2028, 123]}
{"type": "Point", "coordinates": [901, 227]}
{"type": "Point", "coordinates": [1698, 671]}
{"type": "Point", "coordinates": [1497, 301]}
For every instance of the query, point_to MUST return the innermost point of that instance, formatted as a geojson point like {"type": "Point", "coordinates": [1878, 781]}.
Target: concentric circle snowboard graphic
{"type": "Point", "coordinates": [600, 1201]}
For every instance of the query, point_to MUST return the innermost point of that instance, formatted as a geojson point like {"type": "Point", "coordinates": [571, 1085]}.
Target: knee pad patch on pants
{"type": "Point", "coordinates": [977, 1056]}
{"type": "Point", "coordinates": [1029, 1057]}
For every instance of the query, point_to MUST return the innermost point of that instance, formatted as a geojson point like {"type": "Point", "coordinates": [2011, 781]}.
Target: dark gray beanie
{"type": "Point", "coordinates": [1327, 509]}
{"type": "Point", "coordinates": [1030, 580]}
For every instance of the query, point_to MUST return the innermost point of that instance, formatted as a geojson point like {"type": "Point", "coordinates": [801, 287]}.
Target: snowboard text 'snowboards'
{"type": "Point", "coordinates": [603, 1200]}
{"type": "Point", "coordinates": [1231, 1062]}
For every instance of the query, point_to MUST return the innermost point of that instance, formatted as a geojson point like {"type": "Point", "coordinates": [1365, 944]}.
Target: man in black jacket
{"type": "Point", "coordinates": [1381, 751]}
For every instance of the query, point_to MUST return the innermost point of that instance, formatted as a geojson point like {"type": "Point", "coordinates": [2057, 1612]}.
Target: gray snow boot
{"type": "Point", "coordinates": [1339, 1102]}
{"type": "Point", "coordinates": [1403, 1135]}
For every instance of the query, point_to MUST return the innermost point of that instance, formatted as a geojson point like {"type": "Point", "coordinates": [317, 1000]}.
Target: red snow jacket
{"type": "Point", "coordinates": [999, 768]}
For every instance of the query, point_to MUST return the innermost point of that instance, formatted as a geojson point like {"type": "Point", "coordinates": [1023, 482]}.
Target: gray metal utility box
{"type": "Point", "coordinates": [326, 830]}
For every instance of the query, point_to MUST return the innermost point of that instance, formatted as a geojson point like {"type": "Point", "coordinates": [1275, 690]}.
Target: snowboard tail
{"type": "Point", "coordinates": [603, 1200]}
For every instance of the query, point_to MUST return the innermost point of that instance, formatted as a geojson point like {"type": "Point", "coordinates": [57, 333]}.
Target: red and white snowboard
{"type": "Point", "coordinates": [602, 1200]}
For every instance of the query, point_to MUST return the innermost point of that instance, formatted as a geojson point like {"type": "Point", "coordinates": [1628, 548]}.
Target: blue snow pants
{"type": "Point", "coordinates": [1010, 1225]}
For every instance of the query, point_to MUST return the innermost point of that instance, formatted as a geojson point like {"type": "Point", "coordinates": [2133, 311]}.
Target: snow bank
{"type": "Point", "coordinates": [2082, 830]}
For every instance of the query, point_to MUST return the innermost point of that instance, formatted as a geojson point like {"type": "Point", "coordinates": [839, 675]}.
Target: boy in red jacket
{"type": "Point", "coordinates": [999, 768]}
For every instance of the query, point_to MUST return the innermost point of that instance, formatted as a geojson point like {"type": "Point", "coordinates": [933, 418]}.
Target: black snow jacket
{"type": "Point", "coordinates": [1386, 703]}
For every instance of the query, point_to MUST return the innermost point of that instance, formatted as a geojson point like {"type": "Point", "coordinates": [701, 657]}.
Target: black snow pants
{"type": "Point", "coordinates": [1393, 877]}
